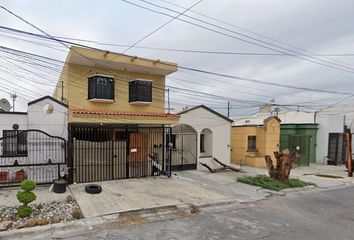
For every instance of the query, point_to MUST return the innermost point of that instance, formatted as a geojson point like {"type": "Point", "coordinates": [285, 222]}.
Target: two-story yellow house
{"type": "Point", "coordinates": [116, 119]}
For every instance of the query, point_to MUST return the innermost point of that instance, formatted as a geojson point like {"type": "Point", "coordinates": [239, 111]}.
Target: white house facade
{"type": "Point", "coordinates": [33, 143]}
{"type": "Point", "coordinates": [202, 134]}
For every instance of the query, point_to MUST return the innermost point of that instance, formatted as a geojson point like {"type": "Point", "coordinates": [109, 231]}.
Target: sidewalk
{"type": "Point", "coordinates": [177, 196]}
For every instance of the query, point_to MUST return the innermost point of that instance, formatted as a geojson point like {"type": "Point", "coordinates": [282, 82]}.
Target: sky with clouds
{"type": "Point", "coordinates": [317, 26]}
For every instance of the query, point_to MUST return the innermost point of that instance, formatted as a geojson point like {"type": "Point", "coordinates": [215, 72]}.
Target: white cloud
{"type": "Point", "coordinates": [318, 26]}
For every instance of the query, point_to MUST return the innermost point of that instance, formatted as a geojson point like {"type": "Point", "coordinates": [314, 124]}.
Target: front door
{"type": "Point", "coordinates": [302, 144]}
{"type": "Point", "coordinates": [138, 158]}
{"type": "Point", "coordinates": [336, 148]}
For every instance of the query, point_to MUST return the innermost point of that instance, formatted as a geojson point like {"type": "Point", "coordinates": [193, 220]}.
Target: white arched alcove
{"type": "Point", "coordinates": [206, 143]}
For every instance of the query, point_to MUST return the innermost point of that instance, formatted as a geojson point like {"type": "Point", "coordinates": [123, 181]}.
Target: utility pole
{"type": "Point", "coordinates": [228, 109]}
{"type": "Point", "coordinates": [62, 91]}
{"type": "Point", "coordinates": [168, 100]}
{"type": "Point", "coordinates": [348, 136]}
{"type": "Point", "coordinates": [13, 96]}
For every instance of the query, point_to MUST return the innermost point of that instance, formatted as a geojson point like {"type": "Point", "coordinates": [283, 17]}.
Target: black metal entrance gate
{"type": "Point", "coordinates": [31, 154]}
{"type": "Point", "coordinates": [184, 148]}
{"type": "Point", "coordinates": [336, 148]}
{"type": "Point", "coordinates": [108, 152]}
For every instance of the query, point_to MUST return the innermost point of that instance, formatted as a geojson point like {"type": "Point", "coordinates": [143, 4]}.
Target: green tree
{"type": "Point", "coordinates": [25, 197]}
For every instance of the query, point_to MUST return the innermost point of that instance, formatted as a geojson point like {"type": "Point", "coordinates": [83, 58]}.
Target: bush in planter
{"type": "Point", "coordinates": [21, 175]}
{"type": "Point", "coordinates": [25, 197]}
{"type": "Point", "coordinates": [23, 212]}
{"type": "Point", "coordinates": [3, 175]}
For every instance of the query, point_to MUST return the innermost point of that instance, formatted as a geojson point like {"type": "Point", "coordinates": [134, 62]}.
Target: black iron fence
{"type": "Point", "coordinates": [31, 154]}
{"type": "Point", "coordinates": [184, 148]}
{"type": "Point", "coordinates": [108, 152]}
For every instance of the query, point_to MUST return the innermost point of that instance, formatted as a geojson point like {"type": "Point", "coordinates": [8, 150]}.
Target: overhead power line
{"type": "Point", "coordinates": [198, 51]}
{"type": "Point", "coordinates": [263, 82]}
{"type": "Point", "coordinates": [238, 78]}
{"type": "Point", "coordinates": [198, 70]}
{"type": "Point", "coordinates": [46, 67]}
{"type": "Point", "coordinates": [255, 33]}
{"type": "Point", "coordinates": [157, 29]}
{"type": "Point", "coordinates": [248, 39]}
{"type": "Point", "coordinates": [201, 95]}
{"type": "Point", "coordinates": [163, 25]}
{"type": "Point", "coordinates": [242, 79]}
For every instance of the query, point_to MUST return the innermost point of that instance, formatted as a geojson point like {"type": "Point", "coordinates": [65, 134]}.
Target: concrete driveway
{"type": "Point", "coordinates": [145, 193]}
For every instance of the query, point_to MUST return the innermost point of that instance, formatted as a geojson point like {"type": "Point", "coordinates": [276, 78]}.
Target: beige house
{"type": "Point", "coordinates": [125, 89]}
{"type": "Point", "coordinates": [250, 143]}
{"type": "Point", "coordinates": [117, 122]}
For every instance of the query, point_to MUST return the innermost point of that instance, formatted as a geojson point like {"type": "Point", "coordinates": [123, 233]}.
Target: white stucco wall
{"type": "Point", "coordinates": [200, 119]}
{"type": "Point", "coordinates": [40, 148]}
{"type": "Point", "coordinates": [36, 118]}
{"type": "Point", "coordinates": [54, 124]}
{"type": "Point", "coordinates": [328, 123]}
{"type": "Point", "coordinates": [7, 119]}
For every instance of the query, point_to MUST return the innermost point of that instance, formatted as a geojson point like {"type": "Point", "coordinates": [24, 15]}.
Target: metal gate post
{"type": "Point", "coordinates": [69, 148]}
{"type": "Point", "coordinates": [163, 148]}
{"type": "Point", "coordinates": [127, 153]}
{"type": "Point", "coordinates": [170, 153]}
{"type": "Point", "coordinates": [113, 158]}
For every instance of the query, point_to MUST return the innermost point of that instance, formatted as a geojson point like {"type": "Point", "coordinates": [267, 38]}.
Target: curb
{"type": "Point", "coordinates": [88, 224]}
{"type": "Point", "coordinates": [309, 188]}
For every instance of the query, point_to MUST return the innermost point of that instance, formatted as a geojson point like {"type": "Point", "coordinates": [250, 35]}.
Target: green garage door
{"type": "Point", "coordinates": [297, 142]}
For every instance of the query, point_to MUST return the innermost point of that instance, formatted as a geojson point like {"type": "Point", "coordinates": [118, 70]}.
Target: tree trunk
{"type": "Point", "coordinates": [285, 161]}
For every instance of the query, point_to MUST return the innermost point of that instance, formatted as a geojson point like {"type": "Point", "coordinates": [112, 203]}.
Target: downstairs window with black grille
{"type": "Point", "coordinates": [101, 88]}
{"type": "Point", "coordinates": [14, 143]}
{"type": "Point", "coordinates": [140, 91]}
{"type": "Point", "coordinates": [251, 144]}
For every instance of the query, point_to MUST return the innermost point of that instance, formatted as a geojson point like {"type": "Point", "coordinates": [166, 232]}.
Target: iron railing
{"type": "Point", "coordinates": [108, 152]}
{"type": "Point", "coordinates": [31, 154]}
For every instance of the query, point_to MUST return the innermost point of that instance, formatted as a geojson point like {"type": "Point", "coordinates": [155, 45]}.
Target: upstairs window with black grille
{"type": "Point", "coordinates": [140, 91]}
{"type": "Point", "coordinates": [100, 87]}
{"type": "Point", "coordinates": [14, 143]}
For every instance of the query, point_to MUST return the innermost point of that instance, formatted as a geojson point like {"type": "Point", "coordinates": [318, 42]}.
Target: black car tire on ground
{"type": "Point", "coordinates": [93, 188]}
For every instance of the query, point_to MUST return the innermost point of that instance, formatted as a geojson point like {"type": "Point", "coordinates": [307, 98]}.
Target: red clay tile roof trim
{"type": "Point", "coordinates": [122, 113]}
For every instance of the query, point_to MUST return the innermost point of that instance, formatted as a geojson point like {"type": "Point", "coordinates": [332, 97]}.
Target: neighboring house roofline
{"type": "Point", "coordinates": [271, 117]}
{"type": "Point", "coordinates": [208, 109]}
{"type": "Point", "coordinates": [250, 125]}
{"type": "Point", "coordinates": [19, 113]}
{"type": "Point", "coordinates": [47, 97]}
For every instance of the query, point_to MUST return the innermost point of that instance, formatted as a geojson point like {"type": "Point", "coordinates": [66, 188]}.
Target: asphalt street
{"type": "Point", "coordinates": [326, 214]}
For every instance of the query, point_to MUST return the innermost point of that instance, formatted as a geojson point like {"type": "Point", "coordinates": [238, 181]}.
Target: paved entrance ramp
{"type": "Point", "coordinates": [138, 194]}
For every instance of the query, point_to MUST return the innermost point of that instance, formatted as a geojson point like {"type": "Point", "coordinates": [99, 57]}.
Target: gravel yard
{"type": "Point", "coordinates": [43, 214]}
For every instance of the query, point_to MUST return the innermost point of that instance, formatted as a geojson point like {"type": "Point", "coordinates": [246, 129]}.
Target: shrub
{"type": "Point", "coordinates": [28, 185]}
{"type": "Point", "coordinates": [272, 184]}
{"type": "Point", "coordinates": [25, 197]}
{"type": "Point", "coordinates": [23, 212]}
